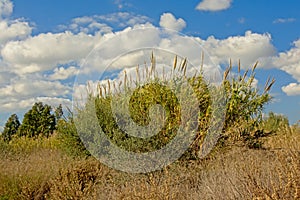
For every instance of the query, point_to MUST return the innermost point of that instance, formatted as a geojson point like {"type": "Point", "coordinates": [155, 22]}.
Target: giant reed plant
{"type": "Point", "coordinates": [244, 107]}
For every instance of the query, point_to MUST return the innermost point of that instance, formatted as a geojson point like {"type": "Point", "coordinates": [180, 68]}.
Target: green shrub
{"type": "Point", "coordinates": [24, 145]}
{"type": "Point", "coordinates": [69, 140]}
{"type": "Point", "coordinates": [275, 123]}
{"type": "Point", "coordinates": [140, 102]}
{"type": "Point", "coordinates": [243, 110]}
{"type": "Point", "coordinates": [245, 106]}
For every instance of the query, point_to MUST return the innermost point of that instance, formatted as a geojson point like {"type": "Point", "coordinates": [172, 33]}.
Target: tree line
{"type": "Point", "coordinates": [41, 119]}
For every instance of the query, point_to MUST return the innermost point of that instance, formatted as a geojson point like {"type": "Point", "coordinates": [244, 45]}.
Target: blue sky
{"type": "Point", "coordinates": [39, 40]}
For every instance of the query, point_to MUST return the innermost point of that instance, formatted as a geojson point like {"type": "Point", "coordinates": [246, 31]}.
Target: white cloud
{"type": "Point", "coordinates": [26, 104]}
{"type": "Point", "coordinates": [83, 20]}
{"type": "Point", "coordinates": [6, 8]}
{"type": "Point", "coordinates": [115, 44]}
{"type": "Point", "coordinates": [12, 30]}
{"type": "Point", "coordinates": [103, 23]}
{"type": "Point", "coordinates": [21, 93]}
{"type": "Point", "coordinates": [26, 88]}
{"type": "Point", "coordinates": [249, 48]}
{"type": "Point", "coordinates": [102, 28]}
{"type": "Point", "coordinates": [123, 19]}
{"type": "Point", "coordinates": [284, 20]}
{"type": "Point", "coordinates": [168, 20]}
{"type": "Point", "coordinates": [63, 73]}
{"type": "Point", "coordinates": [86, 24]}
{"type": "Point", "coordinates": [45, 51]}
{"type": "Point", "coordinates": [293, 70]}
{"type": "Point", "coordinates": [289, 61]}
{"type": "Point", "coordinates": [292, 89]}
{"type": "Point", "coordinates": [214, 5]}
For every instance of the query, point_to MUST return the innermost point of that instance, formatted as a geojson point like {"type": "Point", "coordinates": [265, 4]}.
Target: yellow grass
{"type": "Point", "coordinates": [232, 173]}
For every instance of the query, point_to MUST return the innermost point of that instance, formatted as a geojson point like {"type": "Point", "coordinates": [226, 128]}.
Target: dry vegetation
{"type": "Point", "coordinates": [232, 172]}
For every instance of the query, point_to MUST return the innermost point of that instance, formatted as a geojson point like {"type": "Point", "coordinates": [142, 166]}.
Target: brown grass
{"type": "Point", "coordinates": [26, 176]}
{"type": "Point", "coordinates": [232, 173]}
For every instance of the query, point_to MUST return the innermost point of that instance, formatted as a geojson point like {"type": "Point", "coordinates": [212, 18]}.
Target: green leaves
{"type": "Point", "coordinates": [141, 100]}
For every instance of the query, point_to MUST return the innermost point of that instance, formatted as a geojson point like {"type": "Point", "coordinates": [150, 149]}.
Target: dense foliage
{"type": "Point", "coordinates": [243, 110]}
{"type": "Point", "coordinates": [38, 120]}
{"type": "Point", "coordinates": [69, 140]}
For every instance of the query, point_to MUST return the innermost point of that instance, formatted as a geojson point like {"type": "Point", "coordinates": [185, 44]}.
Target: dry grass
{"type": "Point", "coordinates": [233, 173]}
{"type": "Point", "coordinates": [238, 174]}
{"type": "Point", "coordinates": [26, 176]}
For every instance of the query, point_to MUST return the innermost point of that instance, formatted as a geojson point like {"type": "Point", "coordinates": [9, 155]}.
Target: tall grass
{"type": "Point", "coordinates": [243, 110]}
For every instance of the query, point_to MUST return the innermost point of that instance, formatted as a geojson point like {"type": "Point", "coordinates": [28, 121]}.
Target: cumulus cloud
{"type": "Point", "coordinates": [16, 29]}
{"type": "Point", "coordinates": [86, 24]}
{"type": "Point", "coordinates": [104, 23]}
{"type": "Point", "coordinates": [122, 42]}
{"type": "Point", "coordinates": [62, 73]}
{"type": "Point", "coordinates": [249, 48]}
{"type": "Point", "coordinates": [6, 8]}
{"type": "Point", "coordinates": [168, 20]}
{"type": "Point", "coordinates": [214, 5]}
{"type": "Point", "coordinates": [13, 30]}
{"type": "Point", "coordinates": [289, 62]}
{"type": "Point", "coordinates": [21, 93]}
{"type": "Point", "coordinates": [292, 89]}
{"type": "Point", "coordinates": [35, 68]}
{"type": "Point", "coordinates": [45, 51]}
{"type": "Point", "coordinates": [26, 88]}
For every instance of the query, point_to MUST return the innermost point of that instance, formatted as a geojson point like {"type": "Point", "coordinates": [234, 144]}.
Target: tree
{"type": "Point", "coordinates": [59, 112]}
{"type": "Point", "coordinates": [38, 120]}
{"type": "Point", "coordinates": [11, 127]}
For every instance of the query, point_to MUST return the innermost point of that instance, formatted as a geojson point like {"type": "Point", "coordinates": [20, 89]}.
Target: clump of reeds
{"type": "Point", "coordinates": [243, 112]}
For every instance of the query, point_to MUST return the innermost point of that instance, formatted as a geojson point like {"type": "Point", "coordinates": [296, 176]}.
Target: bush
{"type": "Point", "coordinates": [69, 140]}
{"type": "Point", "coordinates": [275, 123]}
{"type": "Point", "coordinates": [244, 106]}
{"type": "Point", "coordinates": [140, 102]}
